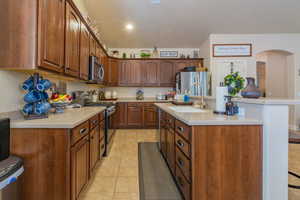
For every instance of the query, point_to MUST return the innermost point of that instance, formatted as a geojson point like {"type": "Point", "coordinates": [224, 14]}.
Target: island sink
{"type": "Point", "coordinates": [187, 109]}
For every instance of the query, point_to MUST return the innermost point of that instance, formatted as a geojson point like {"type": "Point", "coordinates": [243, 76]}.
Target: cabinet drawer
{"type": "Point", "coordinates": [79, 132]}
{"type": "Point", "coordinates": [94, 121]}
{"type": "Point", "coordinates": [182, 145]}
{"type": "Point", "coordinates": [170, 121]}
{"type": "Point", "coordinates": [183, 163]}
{"type": "Point", "coordinates": [149, 105]}
{"type": "Point", "coordinates": [183, 129]}
{"type": "Point", "coordinates": [183, 184]}
{"type": "Point", "coordinates": [133, 104]}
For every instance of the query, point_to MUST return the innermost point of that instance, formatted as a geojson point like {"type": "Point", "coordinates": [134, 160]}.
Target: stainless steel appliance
{"type": "Point", "coordinates": [109, 128]}
{"type": "Point", "coordinates": [11, 167]}
{"type": "Point", "coordinates": [96, 70]}
{"type": "Point", "coordinates": [193, 83]}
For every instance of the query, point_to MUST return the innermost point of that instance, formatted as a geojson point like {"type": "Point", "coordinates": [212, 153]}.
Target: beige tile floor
{"type": "Point", "coordinates": [116, 178]}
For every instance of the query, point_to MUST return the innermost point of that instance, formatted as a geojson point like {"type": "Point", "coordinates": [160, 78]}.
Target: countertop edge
{"type": "Point", "coordinates": [211, 122]}
{"type": "Point", "coordinates": [55, 125]}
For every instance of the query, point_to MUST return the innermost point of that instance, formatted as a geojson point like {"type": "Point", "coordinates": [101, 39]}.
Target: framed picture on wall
{"type": "Point", "coordinates": [232, 50]}
{"type": "Point", "coordinates": [168, 54]}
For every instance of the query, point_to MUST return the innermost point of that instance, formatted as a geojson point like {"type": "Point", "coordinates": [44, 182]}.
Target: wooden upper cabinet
{"type": "Point", "coordinates": [124, 72]}
{"type": "Point", "coordinates": [72, 50]}
{"type": "Point", "coordinates": [135, 73]}
{"type": "Point", "coordinates": [150, 73]}
{"type": "Point", "coordinates": [51, 35]}
{"type": "Point", "coordinates": [166, 74]}
{"type": "Point", "coordinates": [84, 52]}
{"type": "Point", "coordinates": [92, 46]}
{"type": "Point", "coordinates": [113, 72]}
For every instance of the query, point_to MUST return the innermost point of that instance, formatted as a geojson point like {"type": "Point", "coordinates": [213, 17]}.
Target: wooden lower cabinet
{"type": "Point", "coordinates": [214, 162]}
{"type": "Point", "coordinates": [135, 115]}
{"type": "Point", "coordinates": [170, 138]}
{"type": "Point", "coordinates": [79, 166]}
{"type": "Point", "coordinates": [94, 147]}
{"type": "Point", "coordinates": [150, 116]}
{"type": "Point", "coordinates": [58, 163]}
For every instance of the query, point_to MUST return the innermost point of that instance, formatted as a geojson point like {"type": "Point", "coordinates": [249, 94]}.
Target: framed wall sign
{"type": "Point", "coordinates": [167, 54]}
{"type": "Point", "coordinates": [232, 50]}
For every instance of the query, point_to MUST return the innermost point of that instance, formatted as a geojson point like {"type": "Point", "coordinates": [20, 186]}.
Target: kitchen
{"type": "Point", "coordinates": [140, 108]}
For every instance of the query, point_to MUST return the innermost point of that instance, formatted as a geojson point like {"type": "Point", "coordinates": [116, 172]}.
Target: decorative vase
{"type": "Point", "coordinates": [251, 91]}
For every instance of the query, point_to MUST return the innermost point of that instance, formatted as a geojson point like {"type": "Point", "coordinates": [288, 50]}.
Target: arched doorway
{"type": "Point", "coordinates": [276, 73]}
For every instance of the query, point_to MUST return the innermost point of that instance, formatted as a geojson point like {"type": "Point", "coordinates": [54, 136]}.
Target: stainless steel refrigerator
{"type": "Point", "coordinates": [193, 83]}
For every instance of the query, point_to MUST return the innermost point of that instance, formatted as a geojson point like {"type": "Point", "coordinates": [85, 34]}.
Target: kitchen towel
{"type": "Point", "coordinates": [221, 92]}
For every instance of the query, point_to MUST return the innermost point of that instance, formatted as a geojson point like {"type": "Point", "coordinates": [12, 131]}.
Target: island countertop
{"type": "Point", "coordinates": [207, 118]}
{"type": "Point", "coordinates": [69, 119]}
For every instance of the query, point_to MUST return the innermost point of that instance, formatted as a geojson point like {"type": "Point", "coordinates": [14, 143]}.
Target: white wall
{"type": "Point", "coordinates": [12, 94]}
{"type": "Point", "coordinates": [261, 43]}
{"type": "Point", "coordinates": [128, 51]}
{"type": "Point", "coordinates": [131, 91]}
{"type": "Point", "coordinates": [205, 50]}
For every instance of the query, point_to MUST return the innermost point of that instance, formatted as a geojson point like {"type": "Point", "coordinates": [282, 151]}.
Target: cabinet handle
{"type": "Point", "coordinates": [180, 143]}
{"type": "Point", "coordinates": [102, 146]}
{"type": "Point", "coordinates": [180, 162]}
{"type": "Point", "coordinates": [169, 120]}
{"type": "Point", "coordinates": [181, 129]}
{"type": "Point", "coordinates": [95, 122]}
{"type": "Point", "coordinates": [180, 182]}
{"type": "Point", "coordinates": [83, 131]}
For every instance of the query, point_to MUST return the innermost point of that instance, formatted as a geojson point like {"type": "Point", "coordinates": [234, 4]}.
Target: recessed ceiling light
{"type": "Point", "coordinates": [129, 27]}
{"type": "Point", "coordinates": [155, 1]}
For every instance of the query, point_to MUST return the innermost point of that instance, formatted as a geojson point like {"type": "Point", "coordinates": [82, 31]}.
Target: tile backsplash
{"type": "Point", "coordinates": [12, 94]}
{"type": "Point", "coordinates": [130, 91]}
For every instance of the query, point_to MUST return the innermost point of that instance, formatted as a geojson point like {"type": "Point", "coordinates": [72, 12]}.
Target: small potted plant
{"type": "Point", "coordinates": [234, 82]}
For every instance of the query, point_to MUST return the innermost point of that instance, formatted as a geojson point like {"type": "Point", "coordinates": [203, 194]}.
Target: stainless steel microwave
{"type": "Point", "coordinates": [96, 70]}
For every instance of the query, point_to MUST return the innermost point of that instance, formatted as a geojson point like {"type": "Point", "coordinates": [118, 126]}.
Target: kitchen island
{"type": "Point", "coordinates": [60, 153]}
{"type": "Point", "coordinates": [221, 157]}
{"type": "Point", "coordinates": [210, 156]}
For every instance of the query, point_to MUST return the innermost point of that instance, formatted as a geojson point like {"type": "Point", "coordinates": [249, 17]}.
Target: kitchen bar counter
{"type": "Point", "coordinates": [207, 118]}
{"type": "Point", "coordinates": [69, 119]}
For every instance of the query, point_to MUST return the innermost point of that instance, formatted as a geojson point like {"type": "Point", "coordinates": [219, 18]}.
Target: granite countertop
{"type": "Point", "coordinates": [69, 119]}
{"type": "Point", "coordinates": [207, 118]}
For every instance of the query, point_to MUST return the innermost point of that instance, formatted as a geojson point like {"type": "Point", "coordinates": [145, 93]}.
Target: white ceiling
{"type": "Point", "coordinates": [187, 23]}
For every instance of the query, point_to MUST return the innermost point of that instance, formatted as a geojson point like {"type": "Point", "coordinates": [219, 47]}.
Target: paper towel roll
{"type": "Point", "coordinates": [221, 92]}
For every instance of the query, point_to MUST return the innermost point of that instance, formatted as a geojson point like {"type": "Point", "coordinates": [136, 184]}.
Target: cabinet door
{"type": "Point", "coordinates": [150, 117]}
{"type": "Point", "coordinates": [150, 73]}
{"type": "Point", "coordinates": [163, 140]}
{"type": "Point", "coordinates": [134, 115]}
{"type": "Point", "coordinates": [94, 147]}
{"type": "Point", "coordinates": [84, 52]}
{"type": "Point", "coordinates": [171, 149]}
{"type": "Point", "coordinates": [79, 166]}
{"type": "Point", "coordinates": [120, 116]}
{"type": "Point", "coordinates": [166, 74]}
{"type": "Point", "coordinates": [135, 73]}
{"type": "Point", "coordinates": [124, 72]}
{"type": "Point", "coordinates": [92, 46]}
{"type": "Point", "coordinates": [113, 73]}
{"type": "Point", "coordinates": [72, 53]}
{"type": "Point", "coordinates": [51, 37]}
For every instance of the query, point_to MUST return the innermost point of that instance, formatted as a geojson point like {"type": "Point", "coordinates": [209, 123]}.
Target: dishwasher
{"type": "Point", "coordinates": [11, 167]}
